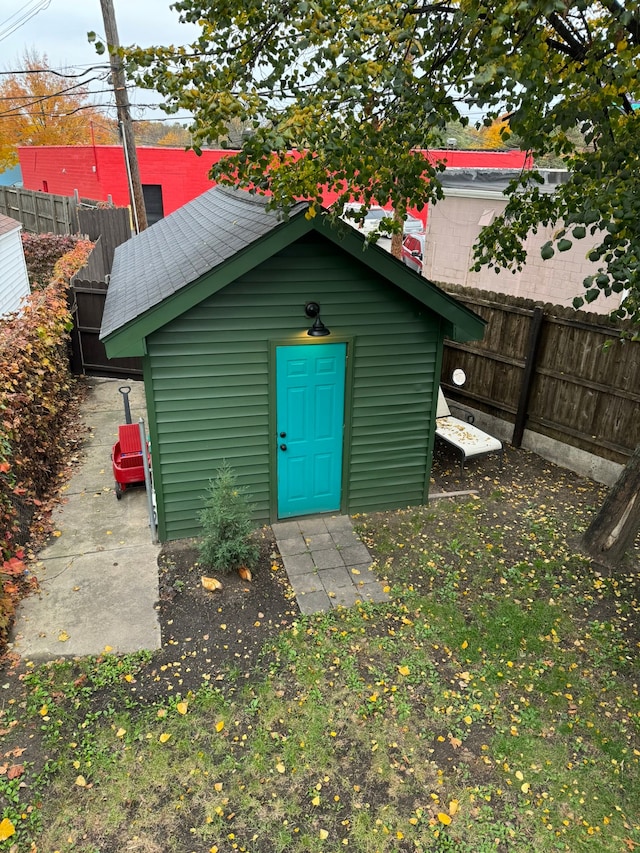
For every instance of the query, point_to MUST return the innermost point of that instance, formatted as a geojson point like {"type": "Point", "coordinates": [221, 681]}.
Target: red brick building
{"type": "Point", "coordinates": [170, 176]}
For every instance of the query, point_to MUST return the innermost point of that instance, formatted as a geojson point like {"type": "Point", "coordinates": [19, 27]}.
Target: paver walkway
{"type": "Point", "coordinates": [327, 564]}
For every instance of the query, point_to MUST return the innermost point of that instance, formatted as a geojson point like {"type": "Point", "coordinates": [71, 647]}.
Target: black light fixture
{"type": "Point", "coordinates": [318, 330]}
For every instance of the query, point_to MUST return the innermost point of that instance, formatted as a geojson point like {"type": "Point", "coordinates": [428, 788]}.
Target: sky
{"type": "Point", "coordinates": [59, 28]}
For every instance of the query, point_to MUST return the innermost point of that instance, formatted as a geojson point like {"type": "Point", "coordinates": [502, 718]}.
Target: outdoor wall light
{"type": "Point", "coordinates": [318, 330]}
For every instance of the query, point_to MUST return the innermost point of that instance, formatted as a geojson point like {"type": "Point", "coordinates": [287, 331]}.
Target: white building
{"type": "Point", "coordinates": [14, 280]}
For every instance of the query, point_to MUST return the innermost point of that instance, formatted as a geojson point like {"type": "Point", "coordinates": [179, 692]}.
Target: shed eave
{"type": "Point", "coordinates": [129, 339]}
{"type": "Point", "coordinates": [460, 323]}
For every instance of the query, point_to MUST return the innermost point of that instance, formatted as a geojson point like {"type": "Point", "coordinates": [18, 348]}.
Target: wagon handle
{"type": "Point", "coordinates": [125, 390]}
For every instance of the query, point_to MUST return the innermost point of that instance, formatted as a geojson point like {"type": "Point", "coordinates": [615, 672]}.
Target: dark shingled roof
{"type": "Point", "coordinates": [183, 246]}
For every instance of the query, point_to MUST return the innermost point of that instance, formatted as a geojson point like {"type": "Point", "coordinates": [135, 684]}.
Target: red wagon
{"type": "Point", "coordinates": [126, 456]}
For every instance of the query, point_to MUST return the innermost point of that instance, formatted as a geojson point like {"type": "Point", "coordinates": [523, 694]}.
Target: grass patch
{"type": "Point", "coordinates": [492, 705]}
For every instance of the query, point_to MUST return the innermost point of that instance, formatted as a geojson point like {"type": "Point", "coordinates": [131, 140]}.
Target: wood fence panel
{"type": "Point", "coordinates": [112, 224]}
{"type": "Point", "coordinates": [582, 393]}
{"type": "Point", "coordinates": [89, 356]}
{"type": "Point", "coordinates": [39, 213]}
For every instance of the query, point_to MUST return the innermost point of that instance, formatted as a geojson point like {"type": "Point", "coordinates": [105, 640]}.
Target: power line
{"type": "Point", "coordinates": [57, 73]}
{"type": "Point", "coordinates": [48, 97]}
{"type": "Point", "coordinates": [42, 4]}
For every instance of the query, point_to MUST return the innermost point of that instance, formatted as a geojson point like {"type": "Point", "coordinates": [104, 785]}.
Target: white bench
{"type": "Point", "coordinates": [466, 438]}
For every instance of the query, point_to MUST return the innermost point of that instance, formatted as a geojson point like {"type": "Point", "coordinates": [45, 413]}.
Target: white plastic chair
{"type": "Point", "coordinates": [468, 440]}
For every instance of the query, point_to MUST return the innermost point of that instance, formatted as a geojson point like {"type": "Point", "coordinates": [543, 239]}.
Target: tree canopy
{"type": "Point", "coordinates": [346, 93]}
{"type": "Point", "coordinates": [40, 107]}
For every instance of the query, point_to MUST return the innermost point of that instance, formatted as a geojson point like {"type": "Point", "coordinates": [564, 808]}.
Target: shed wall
{"type": "Point", "coordinates": [14, 280]}
{"type": "Point", "coordinates": [208, 379]}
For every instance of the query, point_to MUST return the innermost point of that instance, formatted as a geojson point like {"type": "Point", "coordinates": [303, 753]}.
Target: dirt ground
{"type": "Point", "coordinates": [212, 635]}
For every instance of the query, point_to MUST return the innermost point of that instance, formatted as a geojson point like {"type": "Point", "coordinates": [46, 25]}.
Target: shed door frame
{"type": "Point", "coordinates": [300, 340]}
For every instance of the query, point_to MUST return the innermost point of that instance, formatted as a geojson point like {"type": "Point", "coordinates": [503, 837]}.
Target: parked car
{"type": "Point", "coordinates": [413, 251]}
{"type": "Point", "coordinates": [374, 217]}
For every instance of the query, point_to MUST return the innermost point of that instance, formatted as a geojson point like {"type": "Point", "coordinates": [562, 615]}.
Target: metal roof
{"type": "Point", "coordinates": [183, 246]}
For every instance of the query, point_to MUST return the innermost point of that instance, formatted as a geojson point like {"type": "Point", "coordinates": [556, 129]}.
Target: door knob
{"type": "Point", "coordinates": [283, 435]}
{"type": "Point", "coordinates": [283, 447]}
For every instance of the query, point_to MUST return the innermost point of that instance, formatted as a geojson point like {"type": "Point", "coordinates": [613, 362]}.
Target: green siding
{"type": "Point", "coordinates": [209, 376]}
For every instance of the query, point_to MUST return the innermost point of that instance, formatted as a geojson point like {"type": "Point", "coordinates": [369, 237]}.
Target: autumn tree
{"type": "Point", "coordinates": [41, 107]}
{"type": "Point", "coordinates": [161, 133]}
{"type": "Point", "coordinates": [344, 92]}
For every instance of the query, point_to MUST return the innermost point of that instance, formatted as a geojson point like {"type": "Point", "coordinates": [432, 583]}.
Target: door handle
{"type": "Point", "coordinates": [283, 447]}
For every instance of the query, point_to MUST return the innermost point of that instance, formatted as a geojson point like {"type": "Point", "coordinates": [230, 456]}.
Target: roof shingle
{"type": "Point", "coordinates": [181, 248]}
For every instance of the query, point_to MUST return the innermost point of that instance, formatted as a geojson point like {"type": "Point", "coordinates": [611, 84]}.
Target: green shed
{"type": "Point", "coordinates": [283, 345]}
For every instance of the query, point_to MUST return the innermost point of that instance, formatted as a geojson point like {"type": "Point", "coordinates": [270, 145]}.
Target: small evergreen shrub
{"type": "Point", "coordinates": [227, 525]}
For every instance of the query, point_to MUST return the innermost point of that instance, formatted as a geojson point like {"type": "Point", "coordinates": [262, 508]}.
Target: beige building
{"type": "Point", "coordinates": [473, 200]}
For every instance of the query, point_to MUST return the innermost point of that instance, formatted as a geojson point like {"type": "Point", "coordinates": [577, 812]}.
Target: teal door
{"type": "Point", "coordinates": [310, 383]}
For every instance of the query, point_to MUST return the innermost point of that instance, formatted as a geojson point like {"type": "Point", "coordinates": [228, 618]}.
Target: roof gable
{"type": "Point", "coordinates": [213, 240]}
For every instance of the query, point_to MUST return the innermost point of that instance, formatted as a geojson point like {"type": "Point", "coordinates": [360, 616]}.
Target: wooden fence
{"type": "Point", "coordinates": [111, 224]}
{"type": "Point", "coordinates": [87, 351]}
{"type": "Point", "coordinates": [565, 374]}
{"type": "Point", "coordinates": [46, 213]}
{"type": "Point", "coordinates": [40, 213]}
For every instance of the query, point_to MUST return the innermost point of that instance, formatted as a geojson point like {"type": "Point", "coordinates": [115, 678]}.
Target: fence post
{"type": "Point", "coordinates": [528, 376]}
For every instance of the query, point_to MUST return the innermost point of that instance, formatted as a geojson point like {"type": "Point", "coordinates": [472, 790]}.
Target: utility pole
{"type": "Point", "coordinates": [124, 116]}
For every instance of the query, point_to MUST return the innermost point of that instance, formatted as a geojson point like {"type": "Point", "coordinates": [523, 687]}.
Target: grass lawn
{"type": "Point", "coordinates": [491, 705]}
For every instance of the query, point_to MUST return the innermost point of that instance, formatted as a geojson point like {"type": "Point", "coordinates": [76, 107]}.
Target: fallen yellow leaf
{"type": "Point", "coordinates": [323, 834]}
{"type": "Point", "coordinates": [219, 725]}
{"type": "Point", "coordinates": [7, 829]}
{"type": "Point", "coordinates": [454, 805]}
{"type": "Point", "coordinates": [182, 707]}
{"type": "Point", "coordinates": [81, 782]}
{"type": "Point", "coordinates": [525, 787]}
{"type": "Point", "coordinates": [217, 787]}
{"type": "Point", "coordinates": [245, 573]}
{"type": "Point", "coordinates": [63, 637]}
{"type": "Point", "coordinates": [57, 533]}
{"type": "Point", "coordinates": [210, 584]}
{"type": "Point", "coordinates": [164, 737]}
{"type": "Point", "coordinates": [404, 670]}
{"type": "Point", "coordinates": [315, 801]}
{"type": "Point", "coordinates": [121, 732]}
{"type": "Point", "coordinates": [519, 775]}
{"type": "Point", "coordinates": [444, 818]}
{"type": "Point", "coordinates": [280, 767]}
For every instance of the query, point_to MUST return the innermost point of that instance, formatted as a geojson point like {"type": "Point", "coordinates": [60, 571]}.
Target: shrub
{"type": "Point", "coordinates": [35, 389]}
{"type": "Point", "coordinates": [227, 527]}
{"type": "Point", "coordinates": [42, 251]}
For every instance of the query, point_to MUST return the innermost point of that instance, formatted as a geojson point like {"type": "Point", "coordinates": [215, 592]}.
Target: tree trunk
{"type": "Point", "coordinates": [614, 528]}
